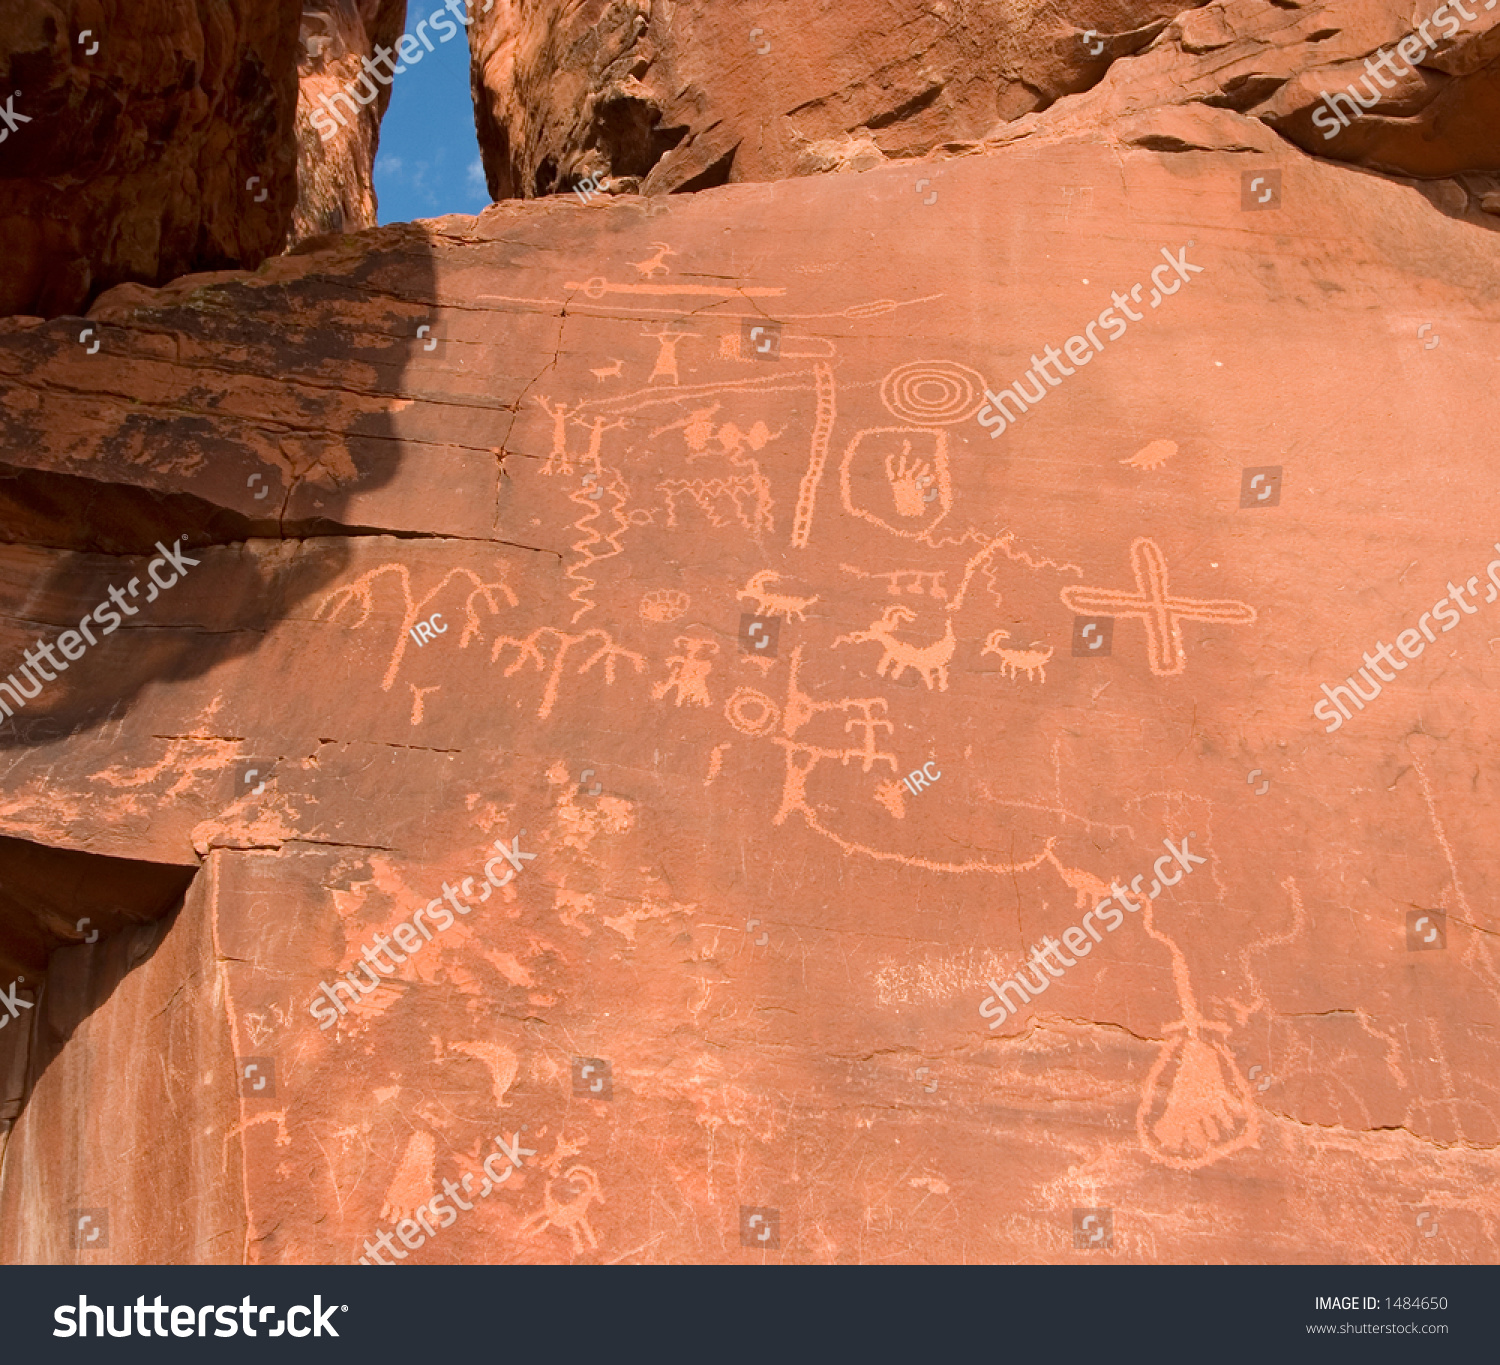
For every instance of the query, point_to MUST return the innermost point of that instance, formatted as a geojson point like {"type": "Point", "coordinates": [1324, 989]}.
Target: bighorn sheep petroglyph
{"type": "Point", "coordinates": [931, 661]}
{"type": "Point", "coordinates": [1013, 661]}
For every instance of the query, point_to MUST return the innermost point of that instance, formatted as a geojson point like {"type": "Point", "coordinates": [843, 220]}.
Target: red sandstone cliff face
{"type": "Point", "coordinates": [336, 150]}
{"type": "Point", "coordinates": [686, 96]}
{"type": "Point", "coordinates": [580, 648]}
{"type": "Point", "coordinates": [158, 144]}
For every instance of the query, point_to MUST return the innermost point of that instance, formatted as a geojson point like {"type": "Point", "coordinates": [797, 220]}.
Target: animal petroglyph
{"type": "Point", "coordinates": [1014, 661]}
{"type": "Point", "coordinates": [930, 661]}
{"type": "Point", "coordinates": [363, 592]}
{"type": "Point", "coordinates": [1152, 456]}
{"type": "Point", "coordinates": [768, 603]}
{"type": "Point", "coordinates": [607, 652]}
{"type": "Point", "coordinates": [688, 672]}
{"type": "Point", "coordinates": [655, 265]}
{"type": "Point", "coordinates": [1152, 603]}
{"type": "Point", "coordinates": [609, 371]}
{"type": "Point", "coordinates": [570, 1215]}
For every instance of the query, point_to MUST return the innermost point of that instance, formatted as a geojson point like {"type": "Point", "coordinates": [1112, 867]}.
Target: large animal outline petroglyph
{"type": "Point", "coordinates": [930, 661]}
{"type": "Point", "coordinates": [362, 590]}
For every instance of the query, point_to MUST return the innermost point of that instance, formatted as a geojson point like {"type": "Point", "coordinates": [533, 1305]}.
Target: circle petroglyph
{"type": "Point", "coordinates": [752, 712]}
{"type": "Point", "coordinates": [932, 392]}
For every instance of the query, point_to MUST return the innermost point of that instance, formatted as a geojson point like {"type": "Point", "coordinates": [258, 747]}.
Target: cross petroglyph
{"type": "Point", "coordinates": [1151, 602]}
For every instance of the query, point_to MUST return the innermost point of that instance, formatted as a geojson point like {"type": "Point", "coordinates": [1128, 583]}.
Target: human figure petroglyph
{"type": "Point", "coordinates": [559, 461]}
{"type": "Point", "coordinates": [1013, 661]}
{"type": "Point", "coordinates": [666, 356]}
{"type": "Point", "coordinates": [689, 671]}
{"type": "Point", "coordinates": [526, 649]}
{"type": "Point", "coordinates": [930, 661]}
{"type": "Point", "coordinates": [655, 265]}
{"type": "Point", "coordinates": [363, 592]}
{"type": "Point", "coordinates": [768, 603]}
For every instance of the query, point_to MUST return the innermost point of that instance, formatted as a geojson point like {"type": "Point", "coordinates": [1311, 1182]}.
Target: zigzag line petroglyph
{"type": "Point", "coordinates": [593, 511]}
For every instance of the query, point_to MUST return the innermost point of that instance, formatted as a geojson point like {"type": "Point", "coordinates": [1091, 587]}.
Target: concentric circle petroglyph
{"type": "Point", "coordinates": [752, 712]}
{"type": "Point", "coordinates": [932, 392]}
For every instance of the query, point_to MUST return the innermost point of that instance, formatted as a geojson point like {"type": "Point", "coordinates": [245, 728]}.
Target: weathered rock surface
{"type": "Point", "coordinates": [689, 95]}
{"type": "Point", "coordinates": [735, 900]}
{"type": "Point", "coordinates": [162, 142]}
{"type": "Point", "coordinates": [657, 544]}
{"type": "Point", "coordinates": [336, 153]}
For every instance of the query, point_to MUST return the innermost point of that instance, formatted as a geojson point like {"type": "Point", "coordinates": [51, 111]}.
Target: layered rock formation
{"type": "Point", "coordinates": [627, 717]}
{"type": "Point", "coordinates": [339, 108]}
{"type": "Point", "coordinates": [157, 140]}
{"type": "Point", "coordinates": [686, 96]}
